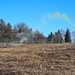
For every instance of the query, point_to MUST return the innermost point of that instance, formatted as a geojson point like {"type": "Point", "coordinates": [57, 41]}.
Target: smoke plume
{"type": "Point", "coordinates": [57, 15]}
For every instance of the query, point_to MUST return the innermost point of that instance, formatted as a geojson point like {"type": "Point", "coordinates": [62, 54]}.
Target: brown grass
{"type": "Point", "coordinates": [38, 59]}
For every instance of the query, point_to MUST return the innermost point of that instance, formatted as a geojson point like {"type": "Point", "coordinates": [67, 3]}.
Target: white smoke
{"type": "Point", "coordinates": [23, 37]}
{"type": "Point", "coordinates": [27, 36]}
{"type": "Point", "coordinates": [14, 44]}
{"type": "Point", "coordinates": [57, 15]}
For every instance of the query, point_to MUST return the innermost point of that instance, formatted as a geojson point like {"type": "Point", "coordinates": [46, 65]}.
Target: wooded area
{"type": "Point", "coordinates": [23, 34]}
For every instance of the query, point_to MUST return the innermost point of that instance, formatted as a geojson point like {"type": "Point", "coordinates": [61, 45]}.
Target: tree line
{"type": "Point", "coordinates": [22, 33]}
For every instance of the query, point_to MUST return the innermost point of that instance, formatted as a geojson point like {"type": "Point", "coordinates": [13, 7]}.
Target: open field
{"type": "Point", "coordinates": [38, 59]}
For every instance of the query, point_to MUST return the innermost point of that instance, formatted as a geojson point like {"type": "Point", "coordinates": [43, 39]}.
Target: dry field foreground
{"type": "Point", "coordinates": [38, 59]}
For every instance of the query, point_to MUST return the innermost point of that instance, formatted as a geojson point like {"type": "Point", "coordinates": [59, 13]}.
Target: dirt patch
{"type": "Point", "coordinates": [38, 59]}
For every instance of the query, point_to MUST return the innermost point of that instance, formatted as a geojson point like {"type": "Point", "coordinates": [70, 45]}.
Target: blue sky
{"type": "Point", "coordinates": [44, 15]}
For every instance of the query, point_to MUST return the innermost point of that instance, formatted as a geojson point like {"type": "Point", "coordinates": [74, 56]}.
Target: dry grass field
{"type": "Point", "coordinates": [38, 59]}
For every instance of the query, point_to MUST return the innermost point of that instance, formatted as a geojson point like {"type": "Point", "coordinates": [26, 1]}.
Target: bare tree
{"type": "Point", "coordinates": [73, 34]}
{"type": "Point", "coordinates": [20, 27]}
{"type": "Point", "coordinates": [62, 33]}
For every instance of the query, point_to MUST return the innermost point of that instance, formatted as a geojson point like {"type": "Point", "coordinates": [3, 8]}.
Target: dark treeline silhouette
{"type": "Point", "coordinates": [22, 33]}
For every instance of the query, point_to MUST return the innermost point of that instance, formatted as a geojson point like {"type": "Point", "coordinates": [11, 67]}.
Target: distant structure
{"type": "Point", "coordinates": [3, 45]}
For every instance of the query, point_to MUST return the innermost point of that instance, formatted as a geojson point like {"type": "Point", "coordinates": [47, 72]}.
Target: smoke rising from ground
{"type": "Point", "coordinates": [27, 36]}
{"type": "Point", "coordinates": [58, 16]}
{"type": "Point", "coordinates": [22, 38]}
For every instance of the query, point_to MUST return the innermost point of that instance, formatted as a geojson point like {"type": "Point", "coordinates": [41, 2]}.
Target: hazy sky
{"type": "Point", "coordinates": [44, 15]}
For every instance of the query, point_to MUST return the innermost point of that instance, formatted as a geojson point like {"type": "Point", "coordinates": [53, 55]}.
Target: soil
{"type": "Point", "coordinates": [38, 59]}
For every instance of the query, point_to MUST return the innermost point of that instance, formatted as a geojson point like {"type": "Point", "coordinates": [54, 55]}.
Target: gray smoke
{"type": "Point", "coordinates": [27, 36]}
{"type": "Point", "coordinates": [14, 44]}
{"type": "Point", "coordinates": [24, 36]}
